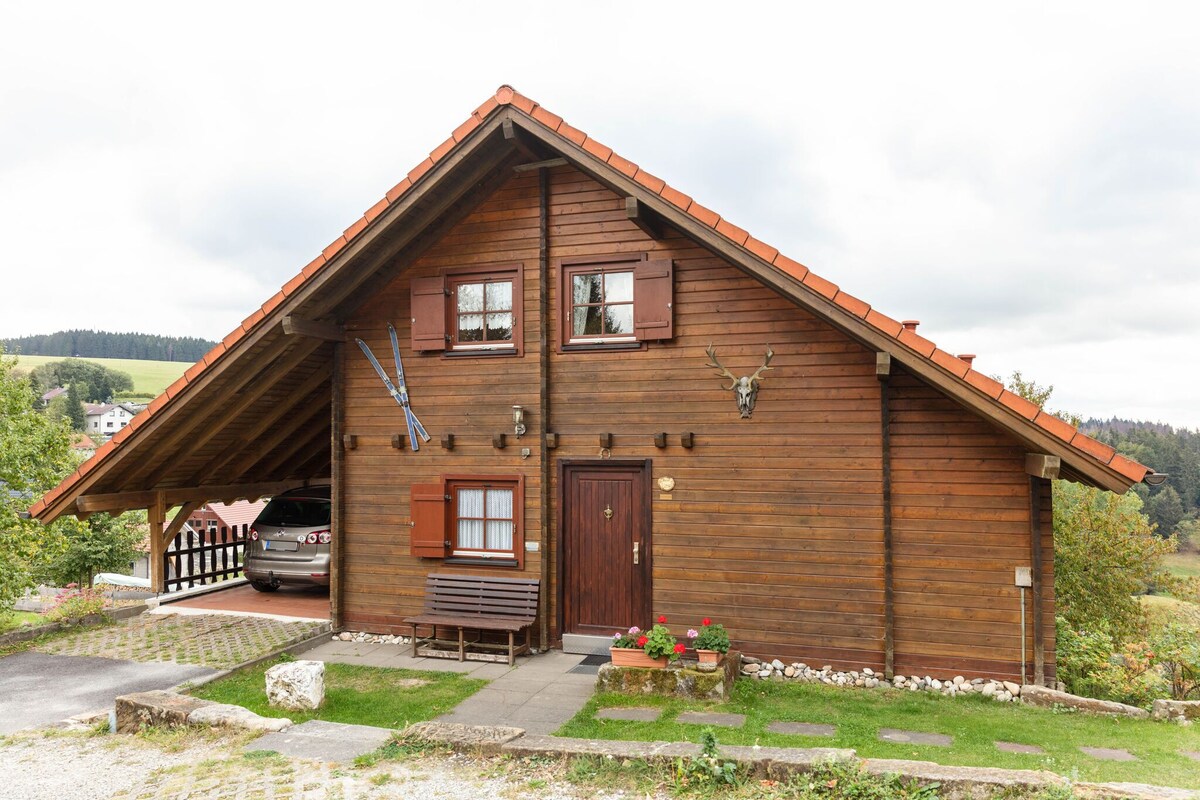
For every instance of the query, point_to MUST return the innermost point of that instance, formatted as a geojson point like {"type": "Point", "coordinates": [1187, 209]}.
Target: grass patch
{"type": "Point", "coordinates": [353, 694]}
{"type": "Point", "coordinates": [1183, 565]}
{"type": "Point", "coordinates": [974, 722]}
{"type": "Point", "coordinates": [20, 619]}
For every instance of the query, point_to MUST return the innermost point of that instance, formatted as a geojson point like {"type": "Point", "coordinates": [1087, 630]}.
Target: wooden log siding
{"type": "Point", "coordinates": [775, 524]}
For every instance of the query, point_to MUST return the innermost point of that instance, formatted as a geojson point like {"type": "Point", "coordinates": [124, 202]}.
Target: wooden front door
{"type": "Point", "coordinates": [606, 547]}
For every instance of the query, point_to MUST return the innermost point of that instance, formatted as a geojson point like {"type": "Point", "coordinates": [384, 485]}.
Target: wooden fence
{"type": "Point", "coordinates": [199, 558]}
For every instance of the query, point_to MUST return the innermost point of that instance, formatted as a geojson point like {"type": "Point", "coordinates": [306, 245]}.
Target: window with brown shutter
{"type": "Point", "coordinates": [470, 519]}
{"type": "Point", "coordinates": [614, 302]}
{"type": "Point", "coordinates": [469, 311]}
{"type": "Point", "coordinates": [427, 510]}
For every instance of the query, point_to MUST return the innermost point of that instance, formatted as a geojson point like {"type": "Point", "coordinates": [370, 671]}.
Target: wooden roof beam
{"type": "Point", "coordinates": [290, 428]}
{"type": "Point", "coordinates": [514, 137]}
{"type": "Point", "coordinates": [637, 213]}
{"type": "Point", "coordinates": [1043, 466]}
{"type": "Point", "coordinates": [300, 445]}
{"type": "Point", "coordinates": [124, 501]}
{"type": "Point", "coordinates": [313, 329]}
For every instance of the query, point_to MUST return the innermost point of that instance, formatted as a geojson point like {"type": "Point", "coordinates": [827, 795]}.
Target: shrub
{"type": "Point", "coordinates": [1177, 652]}
{"type": "Point", "coordinates": [706, 769]}
{"type": "Point", "coordinates": [1089, 665]}
{"type": "Point", "coordinates": [75, 604]}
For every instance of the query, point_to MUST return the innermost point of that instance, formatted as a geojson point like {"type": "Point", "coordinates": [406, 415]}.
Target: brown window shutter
{"type": "Point", "coordinates": [652, 299]}
{"type": "Point", "coordinates": [427, 509]}
{"type": "Point", "coordinates": [429, 314]}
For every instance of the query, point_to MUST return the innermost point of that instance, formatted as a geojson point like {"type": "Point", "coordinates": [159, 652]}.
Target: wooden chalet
{"type": "Point", "coordinates": [872, 510]}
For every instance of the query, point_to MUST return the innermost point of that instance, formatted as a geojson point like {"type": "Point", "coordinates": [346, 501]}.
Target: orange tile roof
{"type": "Point", "coordinates": [507, 96]}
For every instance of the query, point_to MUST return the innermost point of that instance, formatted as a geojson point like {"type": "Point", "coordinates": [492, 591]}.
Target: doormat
{"type": "Point", "coordinates": [590, 665]}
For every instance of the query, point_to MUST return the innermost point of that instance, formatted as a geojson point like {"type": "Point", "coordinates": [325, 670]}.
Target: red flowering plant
{"type": "Point", "coordinates": [711, 636]}
{"type": "Point", "coordinates": [656, 642]}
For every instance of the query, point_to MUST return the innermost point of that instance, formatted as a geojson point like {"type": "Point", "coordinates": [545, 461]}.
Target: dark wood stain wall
{"type": "Point", "coordinates": [775, 524]}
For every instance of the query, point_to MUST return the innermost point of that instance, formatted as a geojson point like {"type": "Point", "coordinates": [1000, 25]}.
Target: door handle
{"type": "Point", "coordinates": [636, 545]}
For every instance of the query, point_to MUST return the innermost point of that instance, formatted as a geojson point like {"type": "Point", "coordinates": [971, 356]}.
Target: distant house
{"type": "Point", "coordinates": [53, 393]}
{"type": "Point", "coordinates": [213, 516]}
{"type": "Point", "coordinates": [83, 443]}
{"type": "Point", "coordinates": [107, 418]}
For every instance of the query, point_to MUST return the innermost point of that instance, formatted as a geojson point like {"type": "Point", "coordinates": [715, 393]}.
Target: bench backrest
{"type": "Point", "coordinates": [472, 595]}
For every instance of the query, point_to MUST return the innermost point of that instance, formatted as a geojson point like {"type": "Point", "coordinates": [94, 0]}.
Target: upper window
{"type": "Point", "coordinates": [481, 312]}
{"type": "Point", "coordinates": [614, 301]}
{"type": "Point", "coordinates": [468, 311]}
{"type": "Point", "coordinates": [601, 305]}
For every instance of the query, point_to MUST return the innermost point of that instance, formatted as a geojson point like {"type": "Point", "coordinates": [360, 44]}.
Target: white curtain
{"type": "Point", "coordinates": [470, 531]}
{"type": "Point", "coordinates": [500, 515]}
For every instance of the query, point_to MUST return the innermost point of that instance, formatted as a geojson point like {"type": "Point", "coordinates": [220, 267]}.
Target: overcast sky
{"type": "Point", "coordinates": [1026, 182]}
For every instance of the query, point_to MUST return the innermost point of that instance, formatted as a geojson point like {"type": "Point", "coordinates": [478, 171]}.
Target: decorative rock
{"type": "Point", "coordinates": [868, 671]}
{"type": "Point", "coordinates": [989, 689]}
{"type": "Point", "coordinates": [936, 684]}
{"type": "Point", "coordinates": [777, 664]}
{"type": "Point", "coordinates": [1181, 711]}
{"type": "Point", "coordinates": [222, 715]}
{"type": "Point", "coordinates": [789, 671]}
{"type": "Point", "coordinates": [959, 680]}
{"type": "Point", "coordinates": [156, 709]}
{"type": "Point", "coordinates": [1041, 696]}
{"type": "Point", "coordinates": [298, 685]}
{"type": "Point", "coordinates": [750, 660]}
{"type": "Point", "coordinates": [976, 681]}
{"type": "Point", "coordinates": [1012, 688]}
{"type": "Point", "coordinates": [750, 669]}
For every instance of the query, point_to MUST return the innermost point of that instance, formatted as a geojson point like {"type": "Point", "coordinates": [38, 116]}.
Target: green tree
{"type": "Point", "coordinates": [35, 454]}
{"type": "Point", "coordinates": [103, 543]}
{"type": "Point", "coordinates": [97, 383]}
{"type": "Point", "coordinates": [1105, 552]}
{"type": "Point", "coordinates": [1165, 510]}
{"type": "Point", "coordinates": [75, 412]}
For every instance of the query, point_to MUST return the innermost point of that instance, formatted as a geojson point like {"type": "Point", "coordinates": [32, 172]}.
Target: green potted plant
{"type": "Point", "coordinates": [711, 642]}
{"type": "Point", "coordinates": [652, 649]}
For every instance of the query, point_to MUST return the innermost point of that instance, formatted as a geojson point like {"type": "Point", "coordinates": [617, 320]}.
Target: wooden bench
{"type": "Point", "coordinates": [471, 602]}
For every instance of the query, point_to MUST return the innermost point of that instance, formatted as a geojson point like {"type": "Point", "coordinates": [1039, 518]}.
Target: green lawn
{"type": "Point", "coordinates": [1185, 565]}
{"type": "Point", "coordinates": [150, 378]}
{"type": "Point", "coordinates": [17, 619]}
{"type": "Point", "coordinates": [354, 694]}
{"type": "Point", "coordinates": [974, 722]}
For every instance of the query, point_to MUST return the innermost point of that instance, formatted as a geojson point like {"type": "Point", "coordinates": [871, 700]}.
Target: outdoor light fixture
{"type": "Point", "coordinates": [1156, 478]}
{"type": "Point", "coordinates": [518, 420]}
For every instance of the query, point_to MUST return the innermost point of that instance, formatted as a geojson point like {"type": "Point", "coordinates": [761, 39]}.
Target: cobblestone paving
{"type": "Point", "coordinates": [212, 641]}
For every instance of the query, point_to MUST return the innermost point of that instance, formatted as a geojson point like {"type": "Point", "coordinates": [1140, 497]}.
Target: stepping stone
{"type": "Point", "coordinates": [324, 741]}
{"type": "Point", "coordinates": [710, 718]}
{"type": "Point", "coordinates": [914, 737]}
{"type": "Point", "coordinates": [1192, 754]}
{"type": "Point", "coordinates": [1108, 754]}
{"type": "Point", "coordinates": [630, 714]}
{"type": "Point", "coordinates": [1014, 747]}
{"type": "Point", "coordinates": [802, 729]}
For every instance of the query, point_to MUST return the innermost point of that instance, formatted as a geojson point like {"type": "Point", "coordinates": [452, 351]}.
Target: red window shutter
{"type": "Point", "coordinates": [652, 299]}
{"type": "Point", "coordinates": [427, 509]}
{"type": "Point", "coordinates": [428, 314]}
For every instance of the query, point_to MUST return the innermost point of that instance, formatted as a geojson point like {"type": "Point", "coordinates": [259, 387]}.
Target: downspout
{"type": "Point", "coordinates": [544, 394]}
{"type": "Point", "coordinates": [883, 371]}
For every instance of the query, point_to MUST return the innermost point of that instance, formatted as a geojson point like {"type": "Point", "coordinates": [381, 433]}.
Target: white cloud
{"type": "Point", "coordinates": [1024, 180]}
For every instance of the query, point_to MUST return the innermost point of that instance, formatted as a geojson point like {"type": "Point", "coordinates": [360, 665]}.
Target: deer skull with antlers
{"type": "Point", "coordinates": [745, 389]}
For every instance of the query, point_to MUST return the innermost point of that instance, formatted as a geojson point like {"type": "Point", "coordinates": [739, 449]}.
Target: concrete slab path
{"type": "Point", "coordinates": [539, 694]}
{"type": "Point", "coordinates": [39, 688]}
{"type": "Point", "coordinates": [332, 742]}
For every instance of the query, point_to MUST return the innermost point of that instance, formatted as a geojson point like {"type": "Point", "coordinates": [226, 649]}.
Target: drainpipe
{"type": "Point", "coordinates": [544, 394]}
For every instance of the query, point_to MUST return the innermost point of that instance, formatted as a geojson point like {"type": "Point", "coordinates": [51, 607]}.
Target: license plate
{"type": "Point", "coordinates": [279, 545]}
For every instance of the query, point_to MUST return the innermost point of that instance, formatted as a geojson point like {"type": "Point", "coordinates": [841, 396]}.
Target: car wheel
{"type": "Point", "coordinates": [263, 586]}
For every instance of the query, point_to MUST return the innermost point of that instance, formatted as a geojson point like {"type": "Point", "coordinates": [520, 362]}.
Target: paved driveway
{"type": "Point", "coordinates": [38, 688]}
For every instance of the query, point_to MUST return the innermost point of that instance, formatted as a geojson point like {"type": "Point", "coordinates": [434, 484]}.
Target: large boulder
{"type": "Point", "coordinates": [221, 715]}
{"type": "Point", "coordinates": [156, 709]}
{"type": "Point", "coordinates": [296, 685]}
{"type": "Point", "coordinates": [1181, 711]}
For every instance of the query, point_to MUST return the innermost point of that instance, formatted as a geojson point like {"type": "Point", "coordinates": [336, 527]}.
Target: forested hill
{"type": "Point", "coordinates": [1175, 451]}
{"type": "Point", "coordinates": [102, 344]}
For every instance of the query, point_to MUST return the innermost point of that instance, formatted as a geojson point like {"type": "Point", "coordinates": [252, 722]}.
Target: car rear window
{"type": "Point", "coordinates": [295, 511]}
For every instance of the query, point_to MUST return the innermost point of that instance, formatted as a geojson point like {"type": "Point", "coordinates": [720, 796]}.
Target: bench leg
{"type": "Point", "coordinates": [529, 640]}
{"type": "Point", "coordinates": [512, 660]}
{"type": "Point", "coordinates": [462, 648]}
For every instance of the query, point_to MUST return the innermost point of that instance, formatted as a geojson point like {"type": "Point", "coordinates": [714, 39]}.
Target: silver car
{"type": "Point", "coordinates": [289, 541]}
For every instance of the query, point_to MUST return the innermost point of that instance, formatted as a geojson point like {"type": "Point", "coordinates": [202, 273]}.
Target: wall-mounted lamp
{"type": "Point", "coordinates": [518, 421]}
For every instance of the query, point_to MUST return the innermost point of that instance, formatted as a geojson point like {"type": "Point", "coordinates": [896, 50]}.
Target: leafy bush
{"type": "Point", "coordinates": [706, 769]}
{"type": "Point", "coordinates": [847, 780]}
{"type": "Point", "coordinates": [1177, 653]}
{"type": "Point", "coordinates": [75, 604]}
{"type": "Point", "coordinates": [1090, 665]}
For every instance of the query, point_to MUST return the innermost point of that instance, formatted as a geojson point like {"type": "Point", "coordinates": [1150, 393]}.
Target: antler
{"type": "Point", "coordinates": [755, 377]}
{"type": "Point", "coordinates": [724, 373]}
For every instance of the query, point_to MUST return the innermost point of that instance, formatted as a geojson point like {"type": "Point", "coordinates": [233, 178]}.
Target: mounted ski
{"type": "Point", "coordinates": [400, 395]}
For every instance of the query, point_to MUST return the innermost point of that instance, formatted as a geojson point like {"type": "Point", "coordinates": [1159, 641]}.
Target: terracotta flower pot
{"type": "Point", "coordinates": [709, 656]}
{"type": "Point", "coordinates": [631, 657]}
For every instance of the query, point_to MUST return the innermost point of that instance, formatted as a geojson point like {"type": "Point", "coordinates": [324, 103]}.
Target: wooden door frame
{"type": "Point", "coordinates": [647, 556]}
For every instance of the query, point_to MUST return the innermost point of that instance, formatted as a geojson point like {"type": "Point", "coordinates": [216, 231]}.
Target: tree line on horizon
{"type": "Point", "coordinates": [105, 344]}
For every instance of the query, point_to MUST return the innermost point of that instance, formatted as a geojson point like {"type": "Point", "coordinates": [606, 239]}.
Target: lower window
{"type": "Point", "coordinates": [485, 516]}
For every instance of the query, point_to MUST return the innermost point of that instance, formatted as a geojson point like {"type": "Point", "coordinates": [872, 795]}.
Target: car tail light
{"type": "Point", "coordinates": [253, 535]}
{"type": "Point", "coordinates": [310, 539]}
{"type": "Point", "coordinates": [324, 537]}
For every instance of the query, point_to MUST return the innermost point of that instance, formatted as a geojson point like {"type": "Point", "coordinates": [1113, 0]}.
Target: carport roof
{"type": "Point", "coordinates": [253, 416]}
